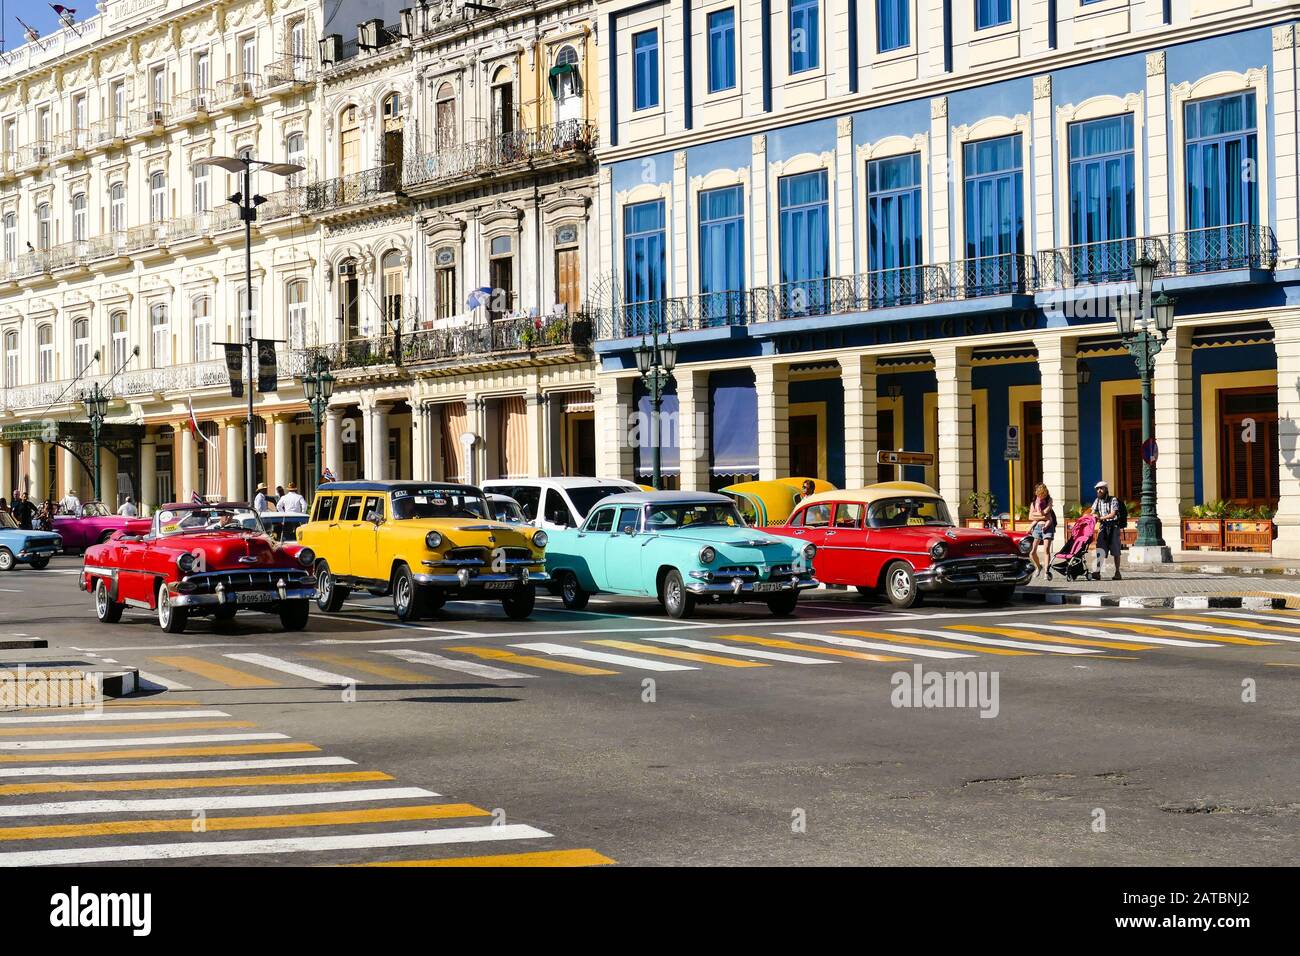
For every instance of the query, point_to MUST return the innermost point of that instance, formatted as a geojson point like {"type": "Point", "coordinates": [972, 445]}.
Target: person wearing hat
{"type": "Point", "coordinates": [259, 499]}
{"type": "Point", "coordinates": [291, 502]}
{"type": "Point", "coordinates": [1106, 508]}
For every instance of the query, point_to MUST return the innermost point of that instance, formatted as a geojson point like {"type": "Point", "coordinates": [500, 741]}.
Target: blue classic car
{"type": "Point", "coordinates": [681, 547]}
{"type": "Point", "coordinates": [26, 547]}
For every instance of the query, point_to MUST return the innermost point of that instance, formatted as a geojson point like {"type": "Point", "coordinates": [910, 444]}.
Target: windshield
{"type": "Point", "coordinates": [899, 512]}
{"type": "Point", "coordinates": [666, 517]}
{"type": "Point", "coordinates": [205, 519]}
{"type": "Point", "coordinates": [7, 520]}
{"type": "Point", "coordinates": [439, 503]}
{"type": "Point", "coordinates": [584, 499]}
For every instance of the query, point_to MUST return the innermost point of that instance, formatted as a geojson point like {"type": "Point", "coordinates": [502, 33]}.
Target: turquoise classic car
{"type": "Point", "coordinates": [681, 547]}
{"type": "Point", "coordinates": [26, 547]}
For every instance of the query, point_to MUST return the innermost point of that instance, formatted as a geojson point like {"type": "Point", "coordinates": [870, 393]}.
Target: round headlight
{"type": "Point", "coordinates": [540, 539]}
{"type": "Point", "coordinates": [1026, 544]}
{"type": "Point", "coordinates": [306, 557]}
{"type": "Point", "coordinates": [708, 555]}
{"type": "Point", "coordinates": [938, 550]}
{"type": "Point", "coordinates": [809, 551]}
{"type": "Point", "coordinates": [433, 540]}
{"type": "Point", "coordinates": [185, 563]}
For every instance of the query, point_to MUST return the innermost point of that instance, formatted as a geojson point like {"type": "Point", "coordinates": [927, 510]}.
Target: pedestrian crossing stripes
{"type": "Point", "coordinates": [538, 858]}
{"type": "Point", "coordinates": [639, 663]}
{"type": "Point", "coordinates": [742, 651]}
{"type": "Point", "coordinates": [135, 741]}
{"type": "Point", "coordinates": [1215, 626]}
{"type": "Point", "coordinates": [1136, 625]}
{"type": "Point", "coordinates": [485, 671]}
{"type": "Point", "coordinates": [106, 714]}
{"type": "Point", "coordinates": [120, 728]}
{"type": "Point", "coordinates": [678, 655]}
{"type": "Point", "coordinates": [874, 645]}
{"type": "Point", "coordinates": [183, 783]}
{"type": "Point", "coordinates": [313, 674]}
{"type": "Point", "coordinates": [190, 804]}
{"type": "Point", "coordinates": [215, 766]}
{"type": "Point", "coordinates": [1000, 642]}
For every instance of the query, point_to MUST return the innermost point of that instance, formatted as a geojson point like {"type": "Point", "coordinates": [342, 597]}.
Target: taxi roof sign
{"type": "Point", "coordinates": [904, 458]}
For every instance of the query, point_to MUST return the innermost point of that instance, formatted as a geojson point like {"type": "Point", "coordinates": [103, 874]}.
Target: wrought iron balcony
{"type": "Point", "coordinates": [1218, 249]}
{"type": "Point", "coordinates": [32, 154]}
{"type": "Point", "coordinates": [70, 142]}
{"type": "Point", "coordinates": [288, 70]}
{"type": "Point", "coordinates": [442, 163]}
{"type": "Point", "coordinates": [106, 245]}
{"type": "Point", "coordinates": [33, 263]}
{"type": "Point", "coordinates": [237, 89]}
{"type": "Point", "coordinates": [147, 235]}
{"type": "Point", "coordinates": [193, 105]}
{"type": "Point", "coordinates": [1096, 262]}
{"type": "Point", "coordinates": [345, 191]}
{"type": "Point", "coordinates": [290, 201]}
{"type": "Point", "coordinates": [149, 121]}
{"type": "Point", "coordinates": [106, 131]}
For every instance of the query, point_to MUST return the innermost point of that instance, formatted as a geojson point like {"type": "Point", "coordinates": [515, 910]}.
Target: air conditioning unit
{"type": "Point", "coordinates": [347, 270]}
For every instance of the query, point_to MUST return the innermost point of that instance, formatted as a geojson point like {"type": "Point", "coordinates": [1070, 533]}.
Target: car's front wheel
{"type": "Point", "coordinates": [900, 585]}
{"type": "Point", "coordinates": [106, 609]}
{"type": "Point", "coordinates": [571, 592]}
{"type": "Point", "coordinates": [330, 595]}
{"type": "Point", "coordinates": [678, 602]}
{"type": "Point", "coordinates": [6, 559]}
{"type": "Point", "coordinates": [170, 619]}
{"type": "Point", "coordinates": [519, 605]}
{"type": "Point", "coordinates": [294, 614]}
{"type": "Point", "coordinates": [783, 605]}
{"type": "Point", "coordinates": [408, 597]}
{"type": "Point", "coordinates": [40, 564]}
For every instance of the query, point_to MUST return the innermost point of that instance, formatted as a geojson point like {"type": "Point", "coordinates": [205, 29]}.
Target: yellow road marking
{"type": "Point", "coordinates": [1237, 623]}
{"type": "Point", "coordinates": [161, 700]}
{"type": "Point", "coordinates": [185, 783]}
{"type": "Point", "coordinates": [1279, 664]}
{"type": "Point", "coordinates": [381, 670]}
{"type": "Point", "coordinates": [540, 858]}
{"type": "Point", "coordinates": [132, 753]}
{"type": "Point", "coordinates": [795, 646]}
{"type": "Point", "coordinates": [680, 655]}
{"type": "Point", "coordinates": [926, 642]}
{"type": "Point", "coordinates": [124, 728]}
{"type": "Point", "coordinates": [63, 831]}
{"type": "Point", "coordinates": [217, 672]}
{"type": "Point", "coordinates": [528, 660]}
{"type": "Point", "coordinates": [1169, 632]}
{"type": "Point", "coordinates": [1051, 639]}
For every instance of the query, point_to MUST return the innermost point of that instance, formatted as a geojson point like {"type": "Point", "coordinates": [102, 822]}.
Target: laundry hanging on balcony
{"type": "Point", "coordinates": [478, 298]}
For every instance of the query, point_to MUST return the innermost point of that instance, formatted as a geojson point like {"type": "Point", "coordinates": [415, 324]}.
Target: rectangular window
{"type": "Point", "coordinates": [324, 507]}
{"type": "Point", "coordinates": [248, 56]}
{"type": "Point", "coordinates": [805, 35]}
{"type": "Point", "coordinates": [645, 66]}
{"type": "Point", "coordinates": [445, 288]}
{"type": "Point", "coordinates": [722, 255]}
{"type": "Point", "coordinates": [722, 50]}
{"type": "Point", "coordinates": [157, 87]}
{"type": "Point", "coordinates": [995, 226]}
{"type": "Point", "coordinates": [893, 29]}
{"type": "Point", "coordinates": [805, 243]}
{"type": "Point", "coordinates": [643, 264]}
{"type": "Point", "coordinates": [992, 13]}
{"type": "Point", "coordinates": [894, 231]}
{"type": "Point", "coordinates": [1222, 166]}
{"type": "Point", "coordinates": [1101, 199]}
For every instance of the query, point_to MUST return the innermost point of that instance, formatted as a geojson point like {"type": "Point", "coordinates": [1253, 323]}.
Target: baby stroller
{"type": "Point", "coordinates": [1071, 560]}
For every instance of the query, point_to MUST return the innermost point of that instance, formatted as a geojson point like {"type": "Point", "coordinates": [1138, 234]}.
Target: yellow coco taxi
{"type": "Point", "coordinates": [423, 543]}
{"type": "Point", "coordinates": [763, 503]}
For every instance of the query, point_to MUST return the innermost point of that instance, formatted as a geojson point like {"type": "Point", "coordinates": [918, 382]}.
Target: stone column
{"type": "Point", "coordinates": [1286, 339]}
{"type": "Point", "coordinates": [952, 368]}
{"type": "Point", "coordinates": [282, 463]}
{"type": "Point", "coordinates": [107, 479]}
{"type": "Point", "coordinates": [146, 495]}
{"type": "Point", "coordinates": [376, 438]}
{"type": "Point", "coordinates": [185, 464]}
{"type": "Point", "coordinates": [233, 433]}
{"type": "Point", "coordinates": [6, 469]}
{"type": "Point", "coordinates": [858, 375]}
{"type": "Point", "coordinates": [1044, 133]}
{"type": "Point", "coordinates": [772, 380]}
{"type": "Point", "coordinates": [332, 439]}
{"type": "Point", "coordinates": [72, 476]}
{"type": "Point", "coordinates": [1174, 397]}
{"type": "Point", "coordinates": [419, 441]}
{"type": "Point", "coordinates": [693, 427]}
{"type": "Point", "coordinates": [538, 409]}
{"type": "Point", "coordinates": [843, 198]}
{"type": "Point", "coordinates": [758, 217]}
{"type": "Point", "coordinates": [613, 405]}
{"type": "Point", "coordinates": [433, 451]}
{"type": "Point", "coordinates": [476, 409]}
{"type": "Point", "coordinates": [1157, 162]}
{"type": "Point", "coordinates": [36, 470]}
{"type": "Point", "coordinates": [1287, 189]}
{"type": "Point", "coordinates": [1058, 373]}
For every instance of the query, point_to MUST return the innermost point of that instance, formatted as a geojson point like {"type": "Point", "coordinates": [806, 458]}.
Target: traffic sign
{"type": "Point", "coordinates": [1012, 452]}
{"type": "Point", "coordinates": [1150, 451]}
{"type": "Point", "coordinates": [904, 458]}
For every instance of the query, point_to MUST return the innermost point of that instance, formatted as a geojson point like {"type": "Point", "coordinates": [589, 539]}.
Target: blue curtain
{"type": "Point", "coordinates": [645, 66]}
{"type": "Point", "coordinates": [805, 35]}
{"type": "Point", "coordinates": [894, 231]}
{"type": "Point", "coordinates": [1222, 202]}
{"type": "Point", "coordinates": [994, 216]}
{"type": "Point", "coordinates": [805, 243]}
{"type": "Point", "coordinates": [1102, 218]}
{"type": "Point", "coordinates": [670, 453]}
{"type": "Point", "coordinates": [892, 28]}
{"type": "Point", "coordinates": [722, 256]}
{"type": "Point", "coordinates": [643, 266]}
{"type": "Point", "coordinates": [722, 50]}
{"type": "Point", "coordinates": [733, 431]}
{"type": "Point", "coordinates": [991, 13]}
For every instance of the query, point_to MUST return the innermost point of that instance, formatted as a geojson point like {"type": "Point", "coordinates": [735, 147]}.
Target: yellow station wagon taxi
{"type": "Point", "coordinates": [423, 543]}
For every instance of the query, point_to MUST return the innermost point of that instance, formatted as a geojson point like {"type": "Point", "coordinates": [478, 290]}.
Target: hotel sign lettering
{"type": "Point", "coordinates": [117, 11]}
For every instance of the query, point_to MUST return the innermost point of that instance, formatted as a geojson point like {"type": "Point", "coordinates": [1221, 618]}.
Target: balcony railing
{"type": "Point", "coordinates": [1219, 248]}
{"type": "Point", "coordinates": [237, 88]}
{"type": "Point", "coordinates": [437, 163]}
{"type": "Point", "coordinates": [70, 141]}
{"type": "Point", "coordinates": [147, 235]}
{"type": "Point", "coordinates": [106, 131]}
{"type": "Point", "coordinates": [1094, 262]}
{"type": "Point", "coordinates": [288, 69]}
{"type": "Point", "coordinates": [193, 103]}
{"type": "Point", "coordinates": [149, 120]}
{"type": "Point", "coordinates": [331, 194]}
{"type": "Point", "coordinates": [290, 201]}
{"type": "Point", "coordinates": [34, 263]}
{"type": "Point", "coordinates": [30, 154]}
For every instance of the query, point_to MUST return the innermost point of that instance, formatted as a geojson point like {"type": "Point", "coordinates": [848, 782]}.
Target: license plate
{"type": "Point", "coordinates": [768, 586]}
{"type": "Point", "coordinates": [255, 597]}
{"type": "Point", "coordinates": [500, 585]}
{"type": "Point", "coordinates": [991, 575]}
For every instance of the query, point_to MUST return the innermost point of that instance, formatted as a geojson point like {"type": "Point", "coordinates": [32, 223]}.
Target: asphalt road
{"type": "Point", "coordinates": [617, 734]}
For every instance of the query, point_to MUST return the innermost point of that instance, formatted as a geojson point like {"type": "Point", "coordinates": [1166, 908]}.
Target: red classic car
{"type": "Point", "coordinates": [95, 524]}
{"type": "Point", "coordinates": [897, 537]}
{"type": "Point", "coordinates": [208, 559]}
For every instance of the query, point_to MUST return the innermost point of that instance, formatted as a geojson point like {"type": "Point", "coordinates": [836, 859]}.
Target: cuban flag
{"type": "Point", "coordinates": [197, 499]}
{"type": "Point", "coordinates": [326, 476]}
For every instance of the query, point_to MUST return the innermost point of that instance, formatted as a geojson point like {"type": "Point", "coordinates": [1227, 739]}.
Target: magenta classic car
{"type": "Point", "coordinates": [95, 524]}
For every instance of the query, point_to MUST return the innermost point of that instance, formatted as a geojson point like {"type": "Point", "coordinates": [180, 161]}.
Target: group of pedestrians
{"type": "Point", "coordinates": [285, 502]}
{"type": "Point", "coordinates": [28, 514]}
{"type": "Point", "coordinates": [1111, 517]}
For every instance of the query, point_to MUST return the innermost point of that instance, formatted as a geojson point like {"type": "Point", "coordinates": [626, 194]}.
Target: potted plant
{"type": "Point", "coordinates": [1249, 529]}
{"type": "Point", "coordinates": [983, 509]}
{"type": "Point", "coordinates": [1203, 526]}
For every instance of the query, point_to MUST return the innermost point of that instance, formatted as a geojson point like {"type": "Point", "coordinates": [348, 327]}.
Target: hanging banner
{"type": "Point", "coordinates": [235, 366]}
{"type": "Point", "coordinates": [268, 373]}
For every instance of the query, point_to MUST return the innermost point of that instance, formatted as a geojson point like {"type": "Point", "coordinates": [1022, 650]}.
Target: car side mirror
{"type": "Point", "coordinates": [375, 518]}
{"type": "Point", "coordinates": [630, 529]}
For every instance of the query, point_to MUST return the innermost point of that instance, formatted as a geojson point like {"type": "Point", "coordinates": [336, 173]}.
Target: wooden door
{"type": "Point", "coordinates": [803, 446]}
{"type": "Point", "coordinates": [1127, 482]}
{"type": "Point", "coordinates": [568, 280]}
{"type": "Point", "coordinates": [885, 442]}
{"type": "Point", "coordinates": [1248, 470]}
{"type": "Point", "coordinates": [1031, 450]}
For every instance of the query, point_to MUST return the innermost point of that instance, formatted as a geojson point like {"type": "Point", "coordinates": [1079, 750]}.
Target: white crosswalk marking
{"type": "Point", "coordinates": [874, 645]}
{"type": "Point", "coordinates": [90, 770]}
{"type": "Point", "coordinates": [641, 663]}
{"type": "Point", "coordinates": [997, 641]}
{"type": "Point", "coordinates": [1099, 634]}
{"type": "Point", "coordinates": [111, 713]}
{"type": "Point", "coordinates": [1279, 619]}
{"type": "Point", "coordinates": [163, 681]}
{"type": "Point", "coordinates": [739, 651]}
{"type": "Point", "coordinates": [189, 804]}
{"type": "Point", "coordinates": [297, 670]}
{"type": "Point", "coordinates": [1209, 629]}
{"type": "Point", "coordinates": [473, 668]}
{"type": "Point", "coordinates": [135, 741]}
{"type": "Point", "coordinates": [357, 841]}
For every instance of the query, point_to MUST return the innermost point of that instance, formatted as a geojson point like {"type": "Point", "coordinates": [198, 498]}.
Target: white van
{"type": "Point", "coordinates": [556, 503]}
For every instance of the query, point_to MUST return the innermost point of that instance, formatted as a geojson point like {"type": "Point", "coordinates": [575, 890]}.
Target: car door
{"type": "Point", "coordinates": [363, 544]}
{"type": "Point", "coordinates": [811, 523]}
{"type": "Point", "coordinates": [841, 548]}
{"type": "Point", "coordinates": [623, 550]}
{"type": "Point", "coordinates": [593, 539]}
{"type": "Point", "coordinates": [339, 551]}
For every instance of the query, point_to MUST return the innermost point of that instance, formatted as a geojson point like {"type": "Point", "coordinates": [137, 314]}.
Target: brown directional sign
{"type": "Point", "coordinates": [904, 458]}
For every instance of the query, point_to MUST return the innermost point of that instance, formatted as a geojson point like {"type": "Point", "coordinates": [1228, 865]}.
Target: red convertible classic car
{"type": "Point", "coordinates": [95, 524]}
{"type": "Point", "coordinates": [208, 559]}
{"type": "Point", "coordinates": [897, 537]}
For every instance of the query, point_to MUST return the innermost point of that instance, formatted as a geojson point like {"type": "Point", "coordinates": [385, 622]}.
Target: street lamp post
{"type": "Point", "coordinates": [1144, 329]}
{"type": "Point", "coordinates": [655, 362]}
{"type": "Point", "coordinates": [319, 386]}
{"type": "Point", "coordinates": [96, 401]}
{"type": "Point", "coordinates": [246, 202]}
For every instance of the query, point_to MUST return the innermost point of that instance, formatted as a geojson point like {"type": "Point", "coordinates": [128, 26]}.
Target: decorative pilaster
{"type": "Point", "coordinates": [940, 250]}
{"type": "Point", "coordinates": [844, 196]}
{"type": "Point", "coordinates": [1286, 340]}
{"type": "Point", "coordinates": [952, 370]}
{"type": "Point", "coordinates": [1286, 228]}
{"type": "Point", "coordinates": [772, 382]}
{"type": "Point", "coordinates": [681, 230]}
{"type": "Point", "coordinates": [613, 404]}
{"type": "Point", "coordinates": [232, 430]}
{"type": "Point", "coordinates": [1058, 370]}
{"type": "Point", "coordinates": [1157, 166]}
{"type": "Point", "coordinates": [1172, 394]}
{"type": "Point", "coordinates": [758, 215]}
{"type": "Point", "coordinates": [1044, 207]}
{"type": "Point", "coordinates": [858, 376]}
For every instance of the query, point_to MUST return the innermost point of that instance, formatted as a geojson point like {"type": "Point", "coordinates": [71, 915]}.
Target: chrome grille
{"type": "Point", "coordinates": [737, 571]}
{"type": "Point", "coordinates": [482, 555]}
{"type": "Point", "coordinates": [262, 580]}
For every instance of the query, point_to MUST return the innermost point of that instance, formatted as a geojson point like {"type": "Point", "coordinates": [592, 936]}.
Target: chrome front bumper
{"type": "Point", "coordinates": [958, 573]}
{"type": "Point", "coordinates": [464, 579]}
{"type": "Point", "coordinates": [264, 599]}
{"type": "Point", "coordinates": [738, 586]}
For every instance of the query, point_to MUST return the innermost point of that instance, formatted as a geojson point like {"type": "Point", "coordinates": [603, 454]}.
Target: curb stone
{"type": "Point", "coordinates": [1182, 601]}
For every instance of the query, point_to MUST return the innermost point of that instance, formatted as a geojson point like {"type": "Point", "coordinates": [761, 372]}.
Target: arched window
{"type": "Point", "coordinates": [201, 313]}
{"type": "Point", "coordinates": [11, 236]}
{"type": "Point", "coordinates": [394, 278]}
{"type": "Point", "coordinates": [566, 85]}
{"type": "Point", "coordinates": [157, 196]}
{"type": "Point", "coordinates": [43, 236]}
{"type": "Point", "coordinates": [444, 117]}
{"type": "Point", "coordinates": [117, 327]}
{"type": "Point", "coordinates": [160, 335]}
{"type": "Point", "coordinates": [392, 106]}
{"type": "Point", "coordinates": [79, 217]}
{"type": "Point", "coordinates": [117, 207]}
{"type": "Point", "coordinates": [11, 359]}
{"type": "Point", "coordinates": [296, 300]}
{"type": "Point", "coordinates": [45, 353]}
{"type": "Point", "coordinates": [503, 103]}
{"type": "Point", "coordinates": [80, 345]}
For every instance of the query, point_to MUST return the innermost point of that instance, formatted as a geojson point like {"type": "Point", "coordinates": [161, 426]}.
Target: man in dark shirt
{"type": "Point", "coordinates": [24, 512]}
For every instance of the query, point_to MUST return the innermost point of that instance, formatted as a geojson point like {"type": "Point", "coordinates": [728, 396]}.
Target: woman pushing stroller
{"type": "Point", "coordinates": [1042, 517]}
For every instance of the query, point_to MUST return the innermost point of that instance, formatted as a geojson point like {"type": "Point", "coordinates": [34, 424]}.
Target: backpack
{"type": "Point", "coordinates": [1121, 514]}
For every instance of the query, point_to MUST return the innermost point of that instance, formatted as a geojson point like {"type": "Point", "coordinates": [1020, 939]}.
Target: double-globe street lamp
{"type": "Point", "coordinates": [655, 362]}
{"type": "Point", "coordinates": [319, 386]}
{"type": "Point", "coordinates": [1144, 324]}
{"type": "Point", "coordinates": [96, 402]}
{"type": "Point", "coordinates": [246, 202]}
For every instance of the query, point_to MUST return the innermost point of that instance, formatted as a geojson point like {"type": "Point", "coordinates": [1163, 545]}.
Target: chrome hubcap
{"type": "Point", "coordinates": [6, 561]}
{"type": "Point", "coordinates": [403, 594]}
{"type": "Point", "coordinates": [900, 584]}
{"type": "Point", "coordinates": [101, 599]}
{"type": "Point", "coordinates": [164, 608]}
